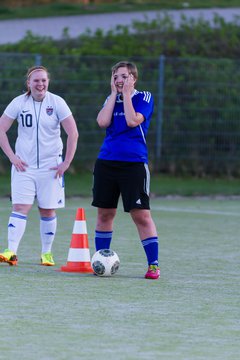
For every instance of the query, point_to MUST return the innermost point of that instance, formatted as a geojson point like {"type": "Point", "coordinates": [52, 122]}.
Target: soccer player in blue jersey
{"type": "Point", "coordinates": [37, 164]}
{"type": "Point", "coordinates": [122, 164]}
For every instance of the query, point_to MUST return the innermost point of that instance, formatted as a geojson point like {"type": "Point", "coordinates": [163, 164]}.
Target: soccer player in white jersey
{"type": "Point", "coordinates": [122, 163]}
{"type": "Point", "coordinates": [37, 163]}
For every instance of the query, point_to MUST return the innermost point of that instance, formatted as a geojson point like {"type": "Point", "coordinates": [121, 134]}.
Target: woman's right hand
{"type": "Point", "coordinates": [19, 164]}
{"type": "Point", "coordinates": [113, 86]}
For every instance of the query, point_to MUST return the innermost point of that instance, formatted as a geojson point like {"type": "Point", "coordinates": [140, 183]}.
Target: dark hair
{"type": "Point", "coordinates": [32, 70]}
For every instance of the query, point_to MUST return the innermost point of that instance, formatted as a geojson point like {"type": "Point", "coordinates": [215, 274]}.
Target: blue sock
{"type": "Point", "coordinates": [103, 239]}
{"type": "Point", "coordinates": [150, 246]}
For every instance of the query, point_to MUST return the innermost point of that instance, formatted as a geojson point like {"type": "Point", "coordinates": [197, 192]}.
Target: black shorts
{"type": "Point", "coordinates": [112, 178]}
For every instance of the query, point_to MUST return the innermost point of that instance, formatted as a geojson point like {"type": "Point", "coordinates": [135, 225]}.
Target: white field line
{"type": "Point", "coordinates": [164, 209]}
{"type": "Point", "coordinates": [195, 211]}
{"type": "Point", "coordinates": [180, 210]}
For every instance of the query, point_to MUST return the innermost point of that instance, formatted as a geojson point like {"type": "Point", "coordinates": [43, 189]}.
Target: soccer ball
{"type": "Point", "coordinates": [105, 262]}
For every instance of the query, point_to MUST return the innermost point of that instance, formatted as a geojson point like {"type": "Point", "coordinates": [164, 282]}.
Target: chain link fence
{"type": "Point", "coordinates": [195, 128]}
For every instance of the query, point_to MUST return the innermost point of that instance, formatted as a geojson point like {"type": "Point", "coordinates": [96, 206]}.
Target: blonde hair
{"type": "Point", "coordinates": [30, 71]}
{"type": "Point", "coordinates": [132, 68]}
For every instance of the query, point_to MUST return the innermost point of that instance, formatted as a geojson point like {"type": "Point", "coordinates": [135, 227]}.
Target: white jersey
{"type": "Point", "coordinates": [39, 141]}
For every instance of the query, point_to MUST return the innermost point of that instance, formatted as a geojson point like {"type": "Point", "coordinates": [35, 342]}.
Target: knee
{"type": "Point", "coordinates": [106, 215]}
{"type": "Point", "coordinates": [22, 208]}
{"type": "Point", "coordinates": [141, 217]}
{"type": "Point", "coordinates": [47, 212]}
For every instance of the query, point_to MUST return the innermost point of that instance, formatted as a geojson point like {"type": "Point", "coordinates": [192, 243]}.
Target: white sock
{"type": "Point", "coordinates": [16, 228]}
{"type": "Point", "coordinates": [48, 228]}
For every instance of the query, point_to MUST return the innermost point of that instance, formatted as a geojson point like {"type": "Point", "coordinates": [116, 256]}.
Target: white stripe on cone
{"type": "Point", "coordinates": [80, 227]}
{"type": "Point", "coordinates": [79, 255]}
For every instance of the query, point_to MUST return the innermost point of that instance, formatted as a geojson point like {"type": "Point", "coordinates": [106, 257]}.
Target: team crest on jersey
{"type": "Point", "coordinates": [49, 110]}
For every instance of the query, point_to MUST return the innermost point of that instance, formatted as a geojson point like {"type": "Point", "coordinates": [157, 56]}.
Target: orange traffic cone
{"type": "Point", "coordinates": [79, 254]}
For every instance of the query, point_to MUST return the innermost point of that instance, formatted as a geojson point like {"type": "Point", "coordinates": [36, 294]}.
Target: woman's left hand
{"type": "Point", "coordinates": [61, 168]}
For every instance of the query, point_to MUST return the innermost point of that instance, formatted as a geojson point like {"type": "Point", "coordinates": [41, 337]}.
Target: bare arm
{"type": "Point", "coordinates": [5, 124]}
{"type": "Point", "coordinates": [70, 127]}
{"type": "Point", "coordinates": [105, 114]}
{"type": "Point", "coordinates": [133, 118]}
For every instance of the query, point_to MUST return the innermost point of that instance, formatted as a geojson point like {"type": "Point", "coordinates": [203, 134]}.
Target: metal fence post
{"type": "Point", "coordinates": [159, 112]}
{"type": "Point", "coordinates": [38, 60]}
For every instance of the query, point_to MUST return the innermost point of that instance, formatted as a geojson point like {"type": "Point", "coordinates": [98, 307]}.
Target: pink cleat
{"type": "Point", "coordinates": [153, 272]}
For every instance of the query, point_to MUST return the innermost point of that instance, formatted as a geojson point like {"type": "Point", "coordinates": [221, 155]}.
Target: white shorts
{"type": "Point", "coordinates": [39, 184]}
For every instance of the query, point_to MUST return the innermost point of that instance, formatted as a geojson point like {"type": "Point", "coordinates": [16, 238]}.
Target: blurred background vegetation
{"type": "Point", "coordinates": [201, 84]}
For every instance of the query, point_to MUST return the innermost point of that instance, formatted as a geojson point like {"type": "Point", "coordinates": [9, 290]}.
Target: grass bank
{"type": "Point", "coordinates": [161, 185]}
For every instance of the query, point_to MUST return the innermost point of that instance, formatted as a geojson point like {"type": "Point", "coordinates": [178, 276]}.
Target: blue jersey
{"type": "Point", "coordinates": [124, 143]}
